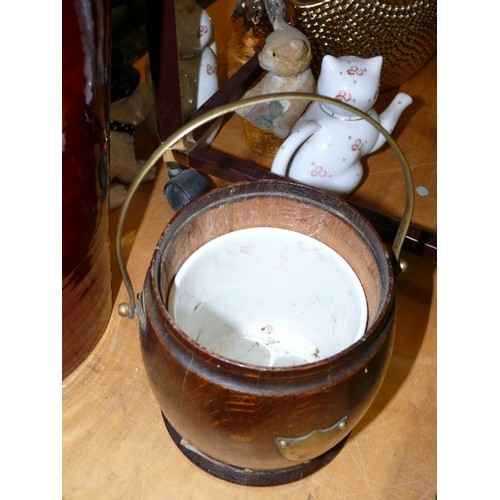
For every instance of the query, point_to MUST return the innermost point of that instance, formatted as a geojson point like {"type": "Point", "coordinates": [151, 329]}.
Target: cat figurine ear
{"type": "Point", "coordinates": [279, 23]}
{"type": "Point", "coordinates": [326, 144]}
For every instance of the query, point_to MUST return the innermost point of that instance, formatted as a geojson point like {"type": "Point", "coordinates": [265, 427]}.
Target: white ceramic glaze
{"type": "Point", "coordinates": [198, 78]}
{"type": "Point", "coordinates": [194, 28]}
{"type": "Point", "coordinates": [197, 61]}
{"type": "Point", "coordinates": [325, 146]}
{"type": "Point", "coordinates": [269, 297]}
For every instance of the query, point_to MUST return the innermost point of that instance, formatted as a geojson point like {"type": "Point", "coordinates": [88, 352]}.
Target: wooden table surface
{"type": "Point", "coordinates": [115, 445]}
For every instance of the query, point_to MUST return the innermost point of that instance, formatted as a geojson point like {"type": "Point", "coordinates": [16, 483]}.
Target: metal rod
{"type": "Point", "coordinates": [129, 309]}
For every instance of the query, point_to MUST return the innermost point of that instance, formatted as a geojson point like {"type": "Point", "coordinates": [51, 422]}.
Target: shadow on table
{"type": "Point", "coordinates": [414, 292]}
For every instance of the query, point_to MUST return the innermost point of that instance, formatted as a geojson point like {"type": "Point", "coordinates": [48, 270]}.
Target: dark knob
{"type": "Point", "coordinates": [184, 185]}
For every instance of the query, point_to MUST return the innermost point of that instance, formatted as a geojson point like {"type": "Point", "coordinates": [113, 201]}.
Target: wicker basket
{"type": "Point", "coordinates": [260, 140]}
{"type": "Point", "coordinates": [403, 32]}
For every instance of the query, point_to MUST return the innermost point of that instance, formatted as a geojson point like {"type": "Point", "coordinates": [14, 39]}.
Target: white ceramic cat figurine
{"type": "Point", "coordinates": [197, 52]}
{"type": "Point", "coordinates": [197, 55]}
{"type": "Point", "coordinates": [326, 144]}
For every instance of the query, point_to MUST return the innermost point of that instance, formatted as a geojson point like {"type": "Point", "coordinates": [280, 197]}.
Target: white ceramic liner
{"type": "Point", "coordinates": [269, 297]}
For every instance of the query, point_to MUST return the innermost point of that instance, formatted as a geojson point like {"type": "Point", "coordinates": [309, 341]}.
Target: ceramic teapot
{"type": "Point", "coordinates": [326, 144]}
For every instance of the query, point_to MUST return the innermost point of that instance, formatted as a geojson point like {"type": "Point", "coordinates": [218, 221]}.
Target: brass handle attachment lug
{"type": "Point", "coordinates": [125, 310]}
{"type": "Point", "coordinates": [403, 265]}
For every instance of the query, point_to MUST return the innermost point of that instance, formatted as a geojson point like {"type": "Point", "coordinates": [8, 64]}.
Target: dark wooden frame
{"type": "Point", "coordinates": [164, 63]}
{"type": "Point", "coordinates": [160, 22]}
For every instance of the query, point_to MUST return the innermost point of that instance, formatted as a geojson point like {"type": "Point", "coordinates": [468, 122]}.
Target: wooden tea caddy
{"type": "Point", "coordinates": [250, 424]}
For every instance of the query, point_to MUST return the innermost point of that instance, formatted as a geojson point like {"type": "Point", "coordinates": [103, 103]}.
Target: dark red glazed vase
{"type": "Point", "coordinates": [86, 269]}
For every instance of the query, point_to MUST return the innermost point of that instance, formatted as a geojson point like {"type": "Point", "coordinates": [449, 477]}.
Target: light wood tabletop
{"type": "Point", "coordinates": [115, 444]}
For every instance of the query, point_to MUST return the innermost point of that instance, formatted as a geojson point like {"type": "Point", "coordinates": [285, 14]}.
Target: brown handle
{"type": "Point", "coordinates": [128, 310]}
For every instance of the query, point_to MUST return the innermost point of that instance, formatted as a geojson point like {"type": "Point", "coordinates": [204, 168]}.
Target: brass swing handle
{"type": "Point", "coordinates": [128, 310]}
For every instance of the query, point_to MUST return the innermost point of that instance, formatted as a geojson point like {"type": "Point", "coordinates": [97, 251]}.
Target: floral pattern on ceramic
{"type": "Point", "coordinates": [194, 28]}
{"type": "Point", "coordinates": [197, 58]}
{"type": "Point", "coordinates": [198, 79]}
{"type": "Point", "coordinates": [326, 144]}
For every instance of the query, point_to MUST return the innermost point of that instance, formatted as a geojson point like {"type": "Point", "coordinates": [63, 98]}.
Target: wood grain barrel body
{"type": "Point", "coordinates": [234, 412]}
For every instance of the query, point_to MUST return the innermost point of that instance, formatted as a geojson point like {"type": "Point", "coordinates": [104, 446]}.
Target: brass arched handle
{"type": "Point", "coordinates": [128, 310]}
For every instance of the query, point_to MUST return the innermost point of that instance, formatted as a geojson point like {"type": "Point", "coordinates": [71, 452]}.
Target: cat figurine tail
{"type": "Point", "coordinates": [326, 144]}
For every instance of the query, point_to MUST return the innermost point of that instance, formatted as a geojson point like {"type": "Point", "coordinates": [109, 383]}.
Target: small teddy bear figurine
{"type": "Point", "coordinates": [286, 56]}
